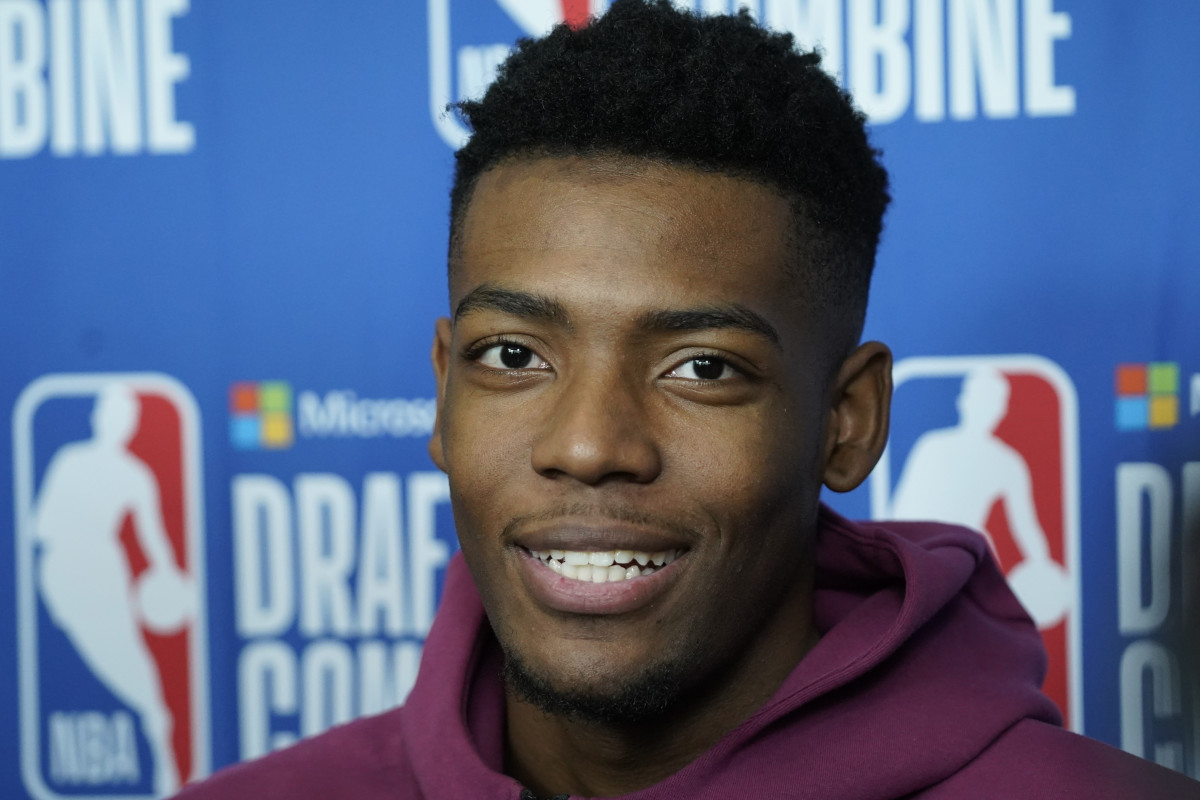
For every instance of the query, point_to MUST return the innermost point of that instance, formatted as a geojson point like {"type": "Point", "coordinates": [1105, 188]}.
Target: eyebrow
{"type": "Point", "coordinates": [708, 317]}
{"type": "Point", "coordinates": [527, 305]}
{"type": "Point", "coordinates": [487, 297]}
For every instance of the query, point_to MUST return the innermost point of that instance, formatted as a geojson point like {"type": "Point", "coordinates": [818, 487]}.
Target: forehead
{"type": "Point", "coordinates": [622, 215]}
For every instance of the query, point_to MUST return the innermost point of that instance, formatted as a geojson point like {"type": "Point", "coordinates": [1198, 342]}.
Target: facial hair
{"type": "Point", "coordinates": [639, 700]}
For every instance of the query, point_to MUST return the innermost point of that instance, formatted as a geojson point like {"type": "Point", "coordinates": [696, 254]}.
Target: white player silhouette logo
{"type": "Point", "coordinates": [85, 578]}
{"type": "Point", "coordinates": [958, 474]}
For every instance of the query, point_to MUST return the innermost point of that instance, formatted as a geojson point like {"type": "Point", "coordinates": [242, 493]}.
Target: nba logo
{"type": "Point", "coordinates": [468, 41]}
{"type": "Point", "coordinates": [110, 582]}
{"type": "Point", "coordinates": [991, 442]}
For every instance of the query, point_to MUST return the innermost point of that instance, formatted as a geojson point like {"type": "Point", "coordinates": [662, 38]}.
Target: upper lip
{"type": "Point", "coordinates": [597, 536]}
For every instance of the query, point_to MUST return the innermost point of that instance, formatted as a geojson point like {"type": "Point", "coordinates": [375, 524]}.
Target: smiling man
{"type": "Point", "coordinates": [662, 236]}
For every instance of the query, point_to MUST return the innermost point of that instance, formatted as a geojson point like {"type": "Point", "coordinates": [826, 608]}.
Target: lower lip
{"type": "Point", "coordinates": [583, 597]}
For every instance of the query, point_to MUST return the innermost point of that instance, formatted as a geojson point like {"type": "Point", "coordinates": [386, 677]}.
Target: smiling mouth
{"type": "Point", "coordinates": [604, 566]}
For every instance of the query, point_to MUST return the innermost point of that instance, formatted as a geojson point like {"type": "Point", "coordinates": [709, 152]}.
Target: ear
{"type": "Point", "coordinates": [441, 367]}
{"type": "Point", "coordinates": [858, 416]}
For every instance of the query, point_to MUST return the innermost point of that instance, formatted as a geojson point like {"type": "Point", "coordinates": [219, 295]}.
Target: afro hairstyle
{"type": "Point", "coordinates": [715, 93]}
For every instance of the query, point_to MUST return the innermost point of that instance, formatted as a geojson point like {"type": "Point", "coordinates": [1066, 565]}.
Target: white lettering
{"type": "Point", "coordinates": [1141, 611]}
{"type": "Point", "coordinates": [92, 76]}
{"type": "Point", "coordinates": [164, 69]}
{"type": "Point", "coordinates": [1043, 27]}
{"type": "Point", "coordinates": [266, 686]}
{"type": "Point", "coordinates": [814, 23]}
{"type": "Point", "coordinates": [327, 668]}
{"type": "Point", "coordinates": [109, 58]}
{"type": "Point", "coordinates": [263, 565]}
{"type": "Point", "coordinates": [879, 57]}
{"type": "Point", "coordinates": [22, 92]}
{"type": "Point", "coordinates": [975, 55]}
{"type": "Point", "coordinates": [284, 693]}
{"type": "Point", "coordinates": [64, 755]}
{"type": "Point", "coordinates": [381, 559]}
{"type": "Point", "coordinates": [427, 553]}
{"type": "Point", "coordinates": [350, 582]}
{"type": "Point", "coordinates": [928, 42]}
{"type": "Point", "coordinates": [1138, 659]}
{"type": "Point", "coordinates": [92, 749]}
{"type": "Point", "coordinates": [317, 418]}
{"type": "Point", "coordinates": [325, 517]}
{"type": "Point", "coordinates": [1148, 701]}
{"type": "Point", "coordinates": [983, 44]}
{"type": "Point", "coordinates": [371, 585]}
{"type": "Point", "coordinates": [342, 413]}
{"type": "Point", "coordinates": [123, 749]}
{"type": "Point", "coordinates": [63, 136]}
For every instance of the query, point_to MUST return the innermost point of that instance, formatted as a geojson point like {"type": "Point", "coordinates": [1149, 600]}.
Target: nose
{"type": "Point", "coordinates": [597, 430]}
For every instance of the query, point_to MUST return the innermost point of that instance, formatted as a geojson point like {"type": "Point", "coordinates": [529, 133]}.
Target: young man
{"type": "Point", "coordinates": [662, 236]}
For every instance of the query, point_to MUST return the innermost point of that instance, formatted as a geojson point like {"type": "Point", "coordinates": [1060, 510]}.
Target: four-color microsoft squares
{"type": "Point", "coordinates": [1147, 396]}
{"type": "Point", "coordinates": [260, 415]}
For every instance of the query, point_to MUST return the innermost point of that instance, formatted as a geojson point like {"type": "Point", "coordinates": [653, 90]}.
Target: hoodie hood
{"type": "Point", "coordinates": [925, 658]}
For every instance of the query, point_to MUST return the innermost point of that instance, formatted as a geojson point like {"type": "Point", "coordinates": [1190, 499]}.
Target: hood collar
{"type": "Point", "coordinates": [925, 658]}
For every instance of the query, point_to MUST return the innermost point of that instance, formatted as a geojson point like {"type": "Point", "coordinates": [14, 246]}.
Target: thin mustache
{"type": "Point", "coordinates": [624, 514]}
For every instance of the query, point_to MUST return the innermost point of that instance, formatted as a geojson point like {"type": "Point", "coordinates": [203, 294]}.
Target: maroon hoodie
{"type": "Point", "coordinates": [924, 685]}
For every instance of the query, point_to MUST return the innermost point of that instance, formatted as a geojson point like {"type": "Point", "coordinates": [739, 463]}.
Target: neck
{"type": "Point", "coordinates": [553, 754]}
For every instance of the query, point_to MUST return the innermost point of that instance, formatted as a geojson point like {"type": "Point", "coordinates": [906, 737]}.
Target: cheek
{"type": "Point", "coordinates": [758, 475]}
{"type": "Point", "coordinates": [478, 527]}
{"type": "Point", "coordinates": [484, 462]}
{"type": "Point", "coordinates": [745, 453]}
{"type": "Point", "coordinates": [463, 445]}
{"type": "Point", "coordinates": [480, 445]}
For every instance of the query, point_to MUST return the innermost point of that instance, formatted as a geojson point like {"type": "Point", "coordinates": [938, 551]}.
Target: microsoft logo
{"type": "Point", "coordinates": [1147, 396]}
{"type": "Point", "coordinates": [260, 415]}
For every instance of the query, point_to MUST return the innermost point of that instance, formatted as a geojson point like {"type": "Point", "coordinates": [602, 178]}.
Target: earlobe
{"type": "Point", "coordinates": [440, 355]}
{"type": "Point", "coordinates": [858, 416]}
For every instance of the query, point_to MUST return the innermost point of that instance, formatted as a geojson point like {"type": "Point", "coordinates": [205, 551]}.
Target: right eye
{"type": "Point", "coordinates": [511, 356]}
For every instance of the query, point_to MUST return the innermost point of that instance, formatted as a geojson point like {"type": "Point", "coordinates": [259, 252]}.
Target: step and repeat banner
{"type": "Point", "coordinates": [222, 249]}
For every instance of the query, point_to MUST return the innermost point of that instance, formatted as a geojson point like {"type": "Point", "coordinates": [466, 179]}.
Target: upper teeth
{"type": "Point", "coordinates": [601, 566]}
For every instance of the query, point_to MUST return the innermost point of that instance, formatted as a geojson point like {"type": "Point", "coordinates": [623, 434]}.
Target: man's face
{"type": "Point", "coordinates": [628, 373]}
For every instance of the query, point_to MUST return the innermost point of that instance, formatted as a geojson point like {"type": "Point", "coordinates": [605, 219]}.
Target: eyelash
{"type": "Point", "coordinates": [475, 352]}
{"type": "Point", "coordinates": [725, 362]}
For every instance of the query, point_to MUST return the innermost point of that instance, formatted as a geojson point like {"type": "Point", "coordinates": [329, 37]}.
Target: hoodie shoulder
{"type": "Point", "coordinates": [1033, 759]}
{"type": "Point", "coordinates": [364, 759]}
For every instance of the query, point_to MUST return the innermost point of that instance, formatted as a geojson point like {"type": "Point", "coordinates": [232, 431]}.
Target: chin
{"type": "Point", "coordinates": [599, 698]}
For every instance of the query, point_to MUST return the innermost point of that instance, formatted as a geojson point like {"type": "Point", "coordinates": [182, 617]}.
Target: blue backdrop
{"type": "Point", "coordinates": [236, 214]}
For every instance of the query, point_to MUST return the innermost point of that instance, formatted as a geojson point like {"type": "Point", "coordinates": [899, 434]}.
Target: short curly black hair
{"type": "Point", "coordinates": [721, 94]}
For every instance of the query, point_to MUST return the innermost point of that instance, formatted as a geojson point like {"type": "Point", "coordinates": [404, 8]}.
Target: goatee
{"type": "Point", "coordinates": [636, 701]}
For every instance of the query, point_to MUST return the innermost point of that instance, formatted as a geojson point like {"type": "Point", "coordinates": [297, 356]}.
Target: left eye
{"type": "Point", "coordinates": [703, 368]}
{"type": "Point", "coordinates": [511, 356]}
